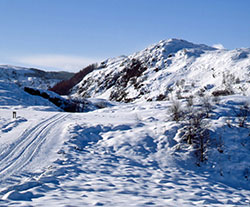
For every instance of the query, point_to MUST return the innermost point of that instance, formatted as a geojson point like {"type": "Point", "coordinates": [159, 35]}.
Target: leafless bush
{"type": "Point", "coordinates": [178, 94]}
{"type": "Point", "coordinates": [182, 82]}
{"type": "Point", "coordinates": [161, 97]}
{"type": "Point", "coordinates": [176, 111]}
{"type": "Point", "coordinates": [228, 80]}
{"type": "Point", "coordinates": [242, 114]}
{"type": "Point", "coordinates": [224, 92]}
{"type": "Point", "coordinates": [206, 105]}
{"type": "Point", "coordinates": [201, 92]}
{"type": "Point", "coordinates": [216, 99]}
{"type": "Point", "coordinates": [190, 101]}
{"type": "Point", "coordinates": [196, 133]}
{"type": "Point", "coordinates": [237, 80]}
{"type": "Point", "coordinates": [243, 89]}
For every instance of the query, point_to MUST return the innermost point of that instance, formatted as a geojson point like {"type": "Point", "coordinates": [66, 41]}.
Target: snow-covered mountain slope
{"type": "Point", "coordinates": [169, 67]}
{"type": "Point", "coordinates": [32, 77]}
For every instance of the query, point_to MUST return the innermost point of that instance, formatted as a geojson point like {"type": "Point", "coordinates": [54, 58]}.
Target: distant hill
{"type": "Point", "coordinates": [32, 77]}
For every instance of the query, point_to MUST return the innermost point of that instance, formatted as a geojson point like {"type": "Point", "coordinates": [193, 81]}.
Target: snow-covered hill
{"type": "Point", "coordinates": [169, 67]}
{"type": "Point", "coordinates": [31, 77]}
{"type": "Point", "coordinates": [189, 149]}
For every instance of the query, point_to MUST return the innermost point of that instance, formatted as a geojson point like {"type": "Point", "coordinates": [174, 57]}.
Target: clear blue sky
{"type": "Point", "coordinates": [68, 34]}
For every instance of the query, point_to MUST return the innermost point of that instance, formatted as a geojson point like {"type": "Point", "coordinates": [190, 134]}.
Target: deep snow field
{"type": "Point", "coordinates": [125, 155]}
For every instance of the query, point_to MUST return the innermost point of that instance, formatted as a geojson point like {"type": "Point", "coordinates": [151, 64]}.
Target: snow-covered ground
{"type": "Point", "coordinates": [190, 149]}
{"type": "Point", "coordinates": [123, 155]}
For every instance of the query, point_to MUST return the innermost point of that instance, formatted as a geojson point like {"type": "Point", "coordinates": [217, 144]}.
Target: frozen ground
{"type": "Point", "coordinates": [125, 155]}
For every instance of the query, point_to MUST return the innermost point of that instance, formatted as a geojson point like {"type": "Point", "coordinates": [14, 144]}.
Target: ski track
{"type": "Point", "coordinates": [27, 146]}
{"type": "Point", "coordinates": [93, 173]}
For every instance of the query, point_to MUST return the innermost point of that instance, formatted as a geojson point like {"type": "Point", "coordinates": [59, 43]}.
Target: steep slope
{"type": "Point", "coordinates": [32, 77]}
{"type": "Point", "coordinates": [64, 87]}
{"type": "Point", "coordinates": [169, 67]}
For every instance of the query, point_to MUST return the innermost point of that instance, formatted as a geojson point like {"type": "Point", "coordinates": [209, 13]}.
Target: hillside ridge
{"type": "Point", "coordinates": [32, 77]}
{"type": "Point", "coordinates": [157, 72]}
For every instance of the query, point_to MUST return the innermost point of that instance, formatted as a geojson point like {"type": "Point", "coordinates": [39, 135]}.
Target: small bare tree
{"type": "Point", "coordinates": [228, 80]}
{"type": "Point", "coordinates": [196, 132]}
{"type": "Point", "coordinates": [242, 114]}
{"type": "Point", "coordinates": [206, 105]}
{"type": "Point", "coordinates": [190, 101]}
{"type": "Point", "coordinates": [176, 111]}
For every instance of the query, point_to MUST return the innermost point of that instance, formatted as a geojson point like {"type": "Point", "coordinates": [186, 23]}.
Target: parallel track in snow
{"type": "Point", "coordinates": [27, 146]}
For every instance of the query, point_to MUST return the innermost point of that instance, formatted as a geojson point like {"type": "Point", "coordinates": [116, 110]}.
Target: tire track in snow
{"type": "Point", "coordinates": [22, 139]}
{"type": "Point", "coordinates": [27, 147]}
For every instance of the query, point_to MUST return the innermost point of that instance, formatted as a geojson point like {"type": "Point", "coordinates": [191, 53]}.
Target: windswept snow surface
{"type": "Point", "coordinates": [125, 155]}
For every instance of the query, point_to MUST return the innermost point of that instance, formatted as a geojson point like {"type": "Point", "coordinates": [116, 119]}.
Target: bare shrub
{"type": "Point", "coordinates": [201, 92]}
{"type": "Point", "coordinates": [178, 94]}
{"type": "Point", "coordinates": [237, 81]}
{"type": "Point", "coordinates": [176, 111]}
{"type": "Point", "coordinates": [194, 124]}
{"type": "Point", "coordinates": [196, 133]}
{"type": "Point", "coordinates": [216, 99]}
{"type": "Point", "coordinates": [228, 80]}
{"type": "Point", "coordinates": [161, 97]}
{"type": "Point", "coordinates": [224, 92]}
{"type": "Point", "coordinates": [206, 105]}
{"type": "Point", "coordinates": [242, 114]}
{"type": "Point", "coordinates": [243, 89]}
{"type": "Point", "coordinates": [190, 101]}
